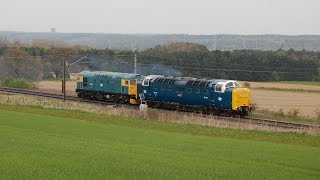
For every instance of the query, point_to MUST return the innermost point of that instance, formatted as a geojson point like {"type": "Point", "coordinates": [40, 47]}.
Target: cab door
{"type": "Point", "coordinates": [218, 96]}
{"type": "Point", "coordinates": [124, 86]}
{"type": "Point", "coordinates": [80, 82]}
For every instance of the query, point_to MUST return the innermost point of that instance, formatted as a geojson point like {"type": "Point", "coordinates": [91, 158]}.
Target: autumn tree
{"type": "Point", "coordinates": [44, 43]}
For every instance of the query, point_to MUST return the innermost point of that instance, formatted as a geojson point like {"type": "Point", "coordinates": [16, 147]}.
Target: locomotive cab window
{"type": "Point", "coordinates": [132, 82]}
{"type": "Point", "coordinates": [236, 84]}
{"type": "Point", "coordinates": [228, 85]}
{"type": "Point", "coordinates": [126, 82]}
{"type": "Point", "coordinates": [218, 88]}
{"type": "Point", "coordinates": [85, 80]}
{"type": "Point", "coordinates": [145, 82]}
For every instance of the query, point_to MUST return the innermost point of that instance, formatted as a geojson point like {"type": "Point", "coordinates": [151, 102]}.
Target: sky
{"type": "Point", "coordinates": [292, 17]}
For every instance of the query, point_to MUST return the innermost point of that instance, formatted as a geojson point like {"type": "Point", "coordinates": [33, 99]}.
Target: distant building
{"type": "Point", "coordinates": [53, 30]}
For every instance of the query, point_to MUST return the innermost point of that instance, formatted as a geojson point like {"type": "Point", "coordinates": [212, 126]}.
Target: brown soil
{"type": "Point", "coordinates": [56, 87]}
{"type": "Point", "coordinates": [284, 86]}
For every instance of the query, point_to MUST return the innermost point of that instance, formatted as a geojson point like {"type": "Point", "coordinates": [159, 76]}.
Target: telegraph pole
{"type": "Point", "coordinates": [61, 58]}
{"type": "Point", "coordinates": [135, 63]}
{"type": "Point", "coordinates": [64, 79]}
{"type": "Point", "coordinates": [214, 42]}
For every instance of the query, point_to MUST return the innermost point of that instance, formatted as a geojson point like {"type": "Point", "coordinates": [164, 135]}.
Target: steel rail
{"type": "Point", "coordinates": [54, 96]}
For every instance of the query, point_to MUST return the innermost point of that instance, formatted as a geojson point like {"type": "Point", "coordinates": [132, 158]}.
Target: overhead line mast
{"type": "Point", "coordinates": [135, 63]}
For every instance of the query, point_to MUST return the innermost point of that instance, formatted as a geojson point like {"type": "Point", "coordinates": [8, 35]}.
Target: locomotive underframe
{"type": "Point", "coordinates": [212, 110]}
{"type": "Point", "coordinates": [99, 95]}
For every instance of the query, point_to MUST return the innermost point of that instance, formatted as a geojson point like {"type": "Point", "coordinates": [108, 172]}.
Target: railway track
{"type": "Point", "coordinates": [53, 96]}
{"type": "Point", "coordinates": [258, 121]}
{"type": "Point", "coordinates": [268, 122]}
{"type": "Point", "coordinates": [282, 124]}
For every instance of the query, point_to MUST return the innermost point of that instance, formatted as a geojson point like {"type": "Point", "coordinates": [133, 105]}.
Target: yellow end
{"type": "Point", "coordinates": [241, 97]}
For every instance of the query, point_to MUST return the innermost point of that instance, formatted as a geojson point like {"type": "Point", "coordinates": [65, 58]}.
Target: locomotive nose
{"type": "Point", "coordinates": [241, 99]}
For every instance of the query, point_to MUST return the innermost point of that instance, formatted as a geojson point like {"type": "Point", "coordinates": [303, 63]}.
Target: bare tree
{"type": "Point", "coordinates": [55, 60]}
{"type": "Point", "coordinates": [18, 63]}
{"type": "Point", "coordinates": [54, 65]}
{"type": "Point", "coordinates": [3, 42]}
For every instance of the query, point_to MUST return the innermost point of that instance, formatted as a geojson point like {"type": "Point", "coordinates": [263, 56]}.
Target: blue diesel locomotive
{"type": "Point", "coordinates": [192, 94]}
{"type": "Point", "coordinates": [108, 86]}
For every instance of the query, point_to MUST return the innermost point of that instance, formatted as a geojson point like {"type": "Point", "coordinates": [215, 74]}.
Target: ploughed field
{"type": "Point", "coordinates": [287, 85]}
{"type": "Point", "coordinates": [39, 143]}
{"type": "Point", "coordinates": [304, 96]}
{"type": "Point", "coordinates": [306, 103]}
{"type": "Point", "coordinates": [56, 87]}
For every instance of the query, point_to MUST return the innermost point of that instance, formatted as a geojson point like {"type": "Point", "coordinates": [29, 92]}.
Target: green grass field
{"type": "Point", "coordinates": [38, 143]}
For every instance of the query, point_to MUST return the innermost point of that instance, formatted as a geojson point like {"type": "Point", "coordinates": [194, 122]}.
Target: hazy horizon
{"type": "Point", "coordinates": [155, 33]}
{"type": "Point", "coordinates": [202, 17]}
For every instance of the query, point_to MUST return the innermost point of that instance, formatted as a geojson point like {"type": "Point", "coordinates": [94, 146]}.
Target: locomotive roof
{"type": "Point", "coordinates": [114, 75]}
{"type": "Point", "coordinates": [186, 81]}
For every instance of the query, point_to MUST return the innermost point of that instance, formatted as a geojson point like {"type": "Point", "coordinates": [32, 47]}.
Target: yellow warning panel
{"type": "Point", "coordinates": [80, 79]}
{"type": "Point", "coordinates": [241, 97]}
{"type": "Point", "coordinates": [133, 87]}
{"type": "Point", "coordinates": [124, 82]}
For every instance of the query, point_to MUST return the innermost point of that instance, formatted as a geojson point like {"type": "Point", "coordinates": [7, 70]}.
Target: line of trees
{"type": "Point", "coordinates": [249, 65]}
{"type": "Point", "coordinates": [43, 60]}
{"type": "Point", "coordinates": [32, 62]}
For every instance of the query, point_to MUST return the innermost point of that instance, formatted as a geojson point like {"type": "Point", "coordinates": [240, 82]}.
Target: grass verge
{"type": "Point", "coordinates": [16, 83]}
{"type": "Point", "coordinates": [280, 115]}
